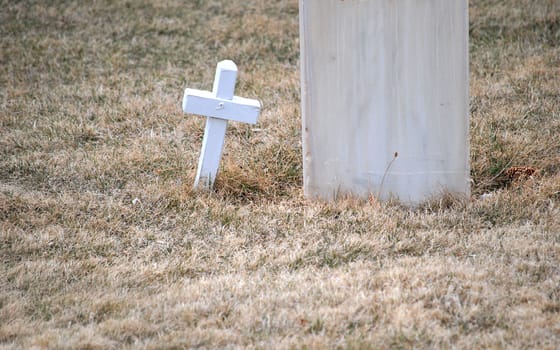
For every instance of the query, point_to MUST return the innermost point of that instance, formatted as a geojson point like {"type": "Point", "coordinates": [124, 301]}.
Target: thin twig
{"type": "Point", "coordinates": [385, 174]}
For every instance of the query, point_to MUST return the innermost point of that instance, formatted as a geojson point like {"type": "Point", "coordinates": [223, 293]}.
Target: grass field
{"type": "Point", "coordinates": [104, 245]}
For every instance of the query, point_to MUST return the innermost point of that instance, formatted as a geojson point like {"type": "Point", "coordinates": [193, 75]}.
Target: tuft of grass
{"type": "Point", "coordinates": [104, 244]}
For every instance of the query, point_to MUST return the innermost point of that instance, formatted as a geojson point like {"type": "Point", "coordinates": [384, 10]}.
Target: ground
{"type": "Point", "coordinates": [103, 244]}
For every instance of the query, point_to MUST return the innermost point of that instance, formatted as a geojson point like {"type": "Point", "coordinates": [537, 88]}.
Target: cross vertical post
{"type": "Point", "coordinates": [215, 130]}
{"type": "Point", "coordinates": [218, 106]}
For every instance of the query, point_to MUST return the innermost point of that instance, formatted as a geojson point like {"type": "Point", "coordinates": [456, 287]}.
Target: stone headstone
{"type": "Point", "coordinates": [385, 98]}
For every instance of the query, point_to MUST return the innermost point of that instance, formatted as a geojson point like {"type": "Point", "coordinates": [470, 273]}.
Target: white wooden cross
{"type": "Point", "coordinates": [219, 106]}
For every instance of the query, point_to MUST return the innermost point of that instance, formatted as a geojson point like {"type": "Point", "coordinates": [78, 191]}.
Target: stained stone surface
{"type": "Point", "coordinates": [385, 98]}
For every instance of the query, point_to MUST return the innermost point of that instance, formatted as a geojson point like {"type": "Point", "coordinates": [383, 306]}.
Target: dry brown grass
{"type": "Point", "coordinates": [104, 245]}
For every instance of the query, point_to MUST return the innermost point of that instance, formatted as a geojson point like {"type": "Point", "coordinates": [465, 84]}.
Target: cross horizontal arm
{"type": "Point", "coordinates": [206, 104]}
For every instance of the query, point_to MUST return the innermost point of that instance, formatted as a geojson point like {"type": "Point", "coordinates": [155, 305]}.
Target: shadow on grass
{"type": "Point", "coordinates": [275, 173]}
